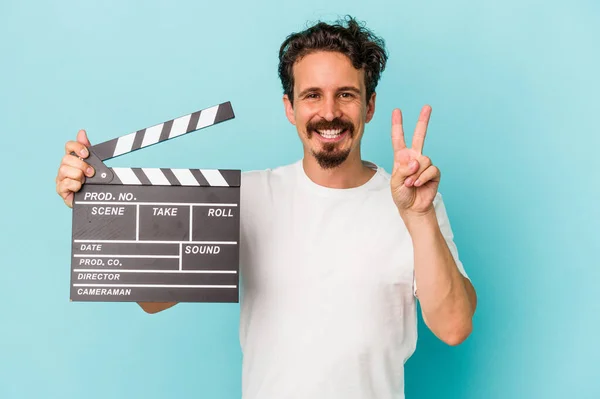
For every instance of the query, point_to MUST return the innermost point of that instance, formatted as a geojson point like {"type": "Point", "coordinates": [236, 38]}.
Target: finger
{"type": "Point", "coordinates": [398, 142]}
{"type": "Point", "coordinates": [66, 188]}
{"type": "Point", "coordinates": [432, 173]}
{"type": "Point", "coordinates": [69, 200]}
{"type": "Point", "coordinates": [83, 139]}
{"type": "Point", "coordinates": [403, 165]}
{"type": "Point", "coordinates": [424, 163]}
{"type": "Point", "coordinates": [70, 172]}
{"type": "Point", "coordinates": [421, 129]}
{"type": "Point", "coordinates": [75, 162]}
{"type": "Point", "coordinates": [77, 148]}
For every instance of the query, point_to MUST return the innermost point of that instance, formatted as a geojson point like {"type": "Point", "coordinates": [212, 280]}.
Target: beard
{"type": "Point", "coordinates": [329, 157]}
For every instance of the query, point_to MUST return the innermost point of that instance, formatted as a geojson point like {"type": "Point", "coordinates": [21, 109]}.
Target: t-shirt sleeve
{"type": "Point", "coordinates": [446, 229]}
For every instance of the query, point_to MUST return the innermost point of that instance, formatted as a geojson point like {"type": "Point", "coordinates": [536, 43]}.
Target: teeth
{"type": "Point", "coordinates": [330, 133]}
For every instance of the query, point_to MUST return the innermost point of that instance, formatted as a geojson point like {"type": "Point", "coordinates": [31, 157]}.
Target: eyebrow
{"type": "Point", "coordinates": [356, 90]}
{"type": "Point", "coordinates": [345, 88]}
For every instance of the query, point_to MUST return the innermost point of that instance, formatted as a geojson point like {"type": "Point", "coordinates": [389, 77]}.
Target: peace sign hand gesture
{"type": "Point", "coordinates": [415, 180]}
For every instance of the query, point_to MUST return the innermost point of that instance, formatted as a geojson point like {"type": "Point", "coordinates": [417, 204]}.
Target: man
{"type": "Point", "coordinates": [332, 247]}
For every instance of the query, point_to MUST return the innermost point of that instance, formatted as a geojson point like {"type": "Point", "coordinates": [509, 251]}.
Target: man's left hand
{"type": "Point", "coordinates": [415, 179]}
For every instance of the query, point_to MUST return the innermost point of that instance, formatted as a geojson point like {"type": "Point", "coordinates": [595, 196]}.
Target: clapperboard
{"type": "Point", "coordinates": [157, 234]}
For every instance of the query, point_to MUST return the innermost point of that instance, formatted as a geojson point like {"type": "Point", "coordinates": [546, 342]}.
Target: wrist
{"type": "Point", "coordinates": [414, 220]}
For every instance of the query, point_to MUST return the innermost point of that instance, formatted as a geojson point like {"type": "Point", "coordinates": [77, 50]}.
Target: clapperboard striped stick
{"type": "Point", "coordinates": [157, 134]}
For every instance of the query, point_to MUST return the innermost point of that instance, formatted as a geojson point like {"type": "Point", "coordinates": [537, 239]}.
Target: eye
{"type": "Point", "coordinates": [312, 95]}
{"type": "Point", "coordinates": [347, 94]}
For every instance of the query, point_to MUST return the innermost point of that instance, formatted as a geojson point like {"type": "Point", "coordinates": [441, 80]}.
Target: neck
{"type": "Point", "coordinates": [351, 173]}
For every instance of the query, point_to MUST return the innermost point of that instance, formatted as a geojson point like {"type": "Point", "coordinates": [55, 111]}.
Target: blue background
{"type": "Point", "coordinates": [514, 89]}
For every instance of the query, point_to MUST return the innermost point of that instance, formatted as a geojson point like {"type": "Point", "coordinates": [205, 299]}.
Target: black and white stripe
{"type": "Point", "coordinates": [163, 131]}
{"type": "Point", "coordinates": [176, 177]}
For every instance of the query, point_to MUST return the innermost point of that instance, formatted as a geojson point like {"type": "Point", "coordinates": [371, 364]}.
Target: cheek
{"type": "Point", "coordinates": [302, 118]}
{"type": "Point", "coordinates": [354, 111]}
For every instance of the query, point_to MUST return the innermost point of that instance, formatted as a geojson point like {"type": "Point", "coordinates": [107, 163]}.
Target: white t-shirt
{"type": "Point", "coordinates": [327, 308]}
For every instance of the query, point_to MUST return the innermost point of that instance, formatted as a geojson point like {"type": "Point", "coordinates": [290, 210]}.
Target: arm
{"type": "Point", "coordinates": [155, 307]}
{"type": "Point", "coordinates": [448, 299]}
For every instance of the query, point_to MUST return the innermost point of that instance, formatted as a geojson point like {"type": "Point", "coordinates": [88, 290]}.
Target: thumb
{"type": "Point", "coordinates": [82, 138]}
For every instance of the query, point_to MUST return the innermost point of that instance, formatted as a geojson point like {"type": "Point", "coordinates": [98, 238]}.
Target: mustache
{"type": "Point", "coordinates": [334, 124]}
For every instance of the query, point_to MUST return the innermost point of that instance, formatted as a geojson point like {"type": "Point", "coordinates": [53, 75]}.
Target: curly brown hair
{"type": "Point", "coordinates": [347, 36]}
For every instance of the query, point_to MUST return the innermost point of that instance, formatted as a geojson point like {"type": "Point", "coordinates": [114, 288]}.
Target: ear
{"type": "Point", "coordinates": [371, 107]}
{"type": "Point", "coordinates": [289, 110]}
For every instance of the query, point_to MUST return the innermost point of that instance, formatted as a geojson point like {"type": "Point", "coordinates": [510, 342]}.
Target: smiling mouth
{"type": "Point", "coordinates": [331, 134]}
{"type": "Point", "coordinates": [330, 131]}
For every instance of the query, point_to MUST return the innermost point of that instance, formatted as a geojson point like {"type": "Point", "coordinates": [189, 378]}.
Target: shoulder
{"type": "Point", "coordinates": [269, 175]}
{"type": "Point", "coordinates": [258, 183]}
{"type": "Point", "coordinates": [258, 192]}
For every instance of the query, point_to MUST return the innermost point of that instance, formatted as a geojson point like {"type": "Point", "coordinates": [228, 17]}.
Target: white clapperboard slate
{"type": "Point", "coordinates": [157, 234]}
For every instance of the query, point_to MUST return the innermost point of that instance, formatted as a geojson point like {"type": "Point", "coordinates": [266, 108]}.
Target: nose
{"type": "Point", "coordinates": [330, 109]}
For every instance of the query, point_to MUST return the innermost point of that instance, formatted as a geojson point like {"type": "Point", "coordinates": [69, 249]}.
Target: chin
{"type": "Point", "coordinates": [330, 159]}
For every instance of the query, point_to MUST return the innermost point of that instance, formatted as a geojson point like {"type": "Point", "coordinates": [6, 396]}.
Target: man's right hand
{"type": "Point", "coordinates": [73, 170]}
{"type": "Point", "coordinates": [71, 176]}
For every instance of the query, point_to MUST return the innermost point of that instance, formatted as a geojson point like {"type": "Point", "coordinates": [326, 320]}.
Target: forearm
{"type": "Point", "coordinates": [447, 299]}
{"type": "Point", "coordinates": [155, 307]}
